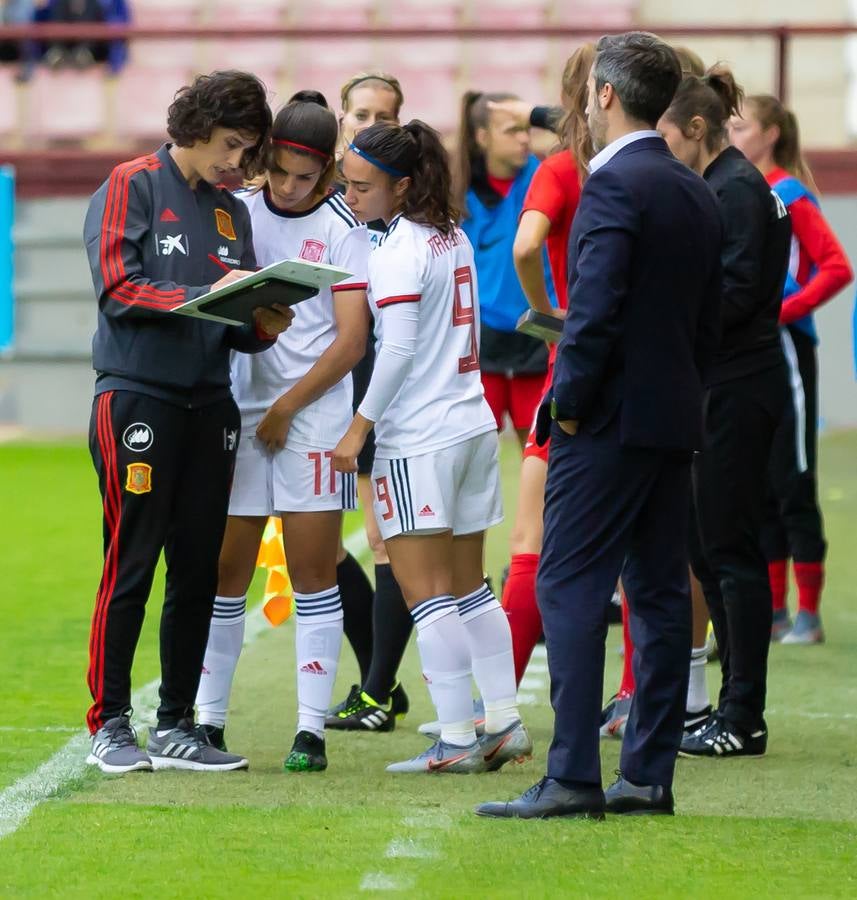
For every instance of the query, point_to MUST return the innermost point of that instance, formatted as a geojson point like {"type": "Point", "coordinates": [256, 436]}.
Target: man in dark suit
{"type": "Point", "coordinates": [626, 405]}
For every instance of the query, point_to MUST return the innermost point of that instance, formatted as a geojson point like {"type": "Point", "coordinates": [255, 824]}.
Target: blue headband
{"type": "Point", "coordinates": [377, 162]}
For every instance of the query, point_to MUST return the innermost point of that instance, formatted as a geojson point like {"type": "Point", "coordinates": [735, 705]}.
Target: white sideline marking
{"type": "Point", "coordinates": [428, 820]}
{"type": "Point", "coordinates": [69, 762]}
{"type": "Point", "coordinates": [44, 729]}
{"type": "Point", "coordinates": [380, 881]}
{"type": "Point", "coordinates": [799, 713]}
{"type": "Point", "coordinates": [535, 668]}
{"type": "Point", "coordinates": [527, 699]}
{"type": "Point", "coordinates": [532, 684]}
{"type": "Point", "coordinates": [540, 652]}
{"type": "Point", "coordinates": [407, 848]}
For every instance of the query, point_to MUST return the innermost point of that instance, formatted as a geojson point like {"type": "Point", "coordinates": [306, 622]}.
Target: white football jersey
{"type": "Point", "coordinates": [327, 233]}
{"type": "Point", "coordinates": [441, 401]}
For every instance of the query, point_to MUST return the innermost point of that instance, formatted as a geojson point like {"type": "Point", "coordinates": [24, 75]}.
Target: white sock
{"type": "Point", "coordinates": [442, 642]}
{"type": "Point", "coordinates": [697, 691]}
{"type": "Point", "coordinates": [318, 639]}
{"type": "Point", "coordinates": [221, 657]}
{"type": "Point", "coordinates": [490, 640]}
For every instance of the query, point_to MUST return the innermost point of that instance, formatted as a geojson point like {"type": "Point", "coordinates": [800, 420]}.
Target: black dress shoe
{"type": "Point", "coordinates": [639, 800]}
{"type": "Point", "coordinates": [547, 799]}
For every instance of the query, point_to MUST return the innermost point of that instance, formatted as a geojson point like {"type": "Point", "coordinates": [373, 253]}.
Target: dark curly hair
{"type": "Point", "coordinates": [415, 150]}
{"type": "Point", "coordinates": [229, 99]}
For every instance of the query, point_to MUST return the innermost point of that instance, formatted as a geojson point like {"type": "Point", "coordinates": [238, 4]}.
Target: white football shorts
{"type": "Point", "coordinates": [457, 489]}
{"type": "Point", "coordinates": [290, 480]}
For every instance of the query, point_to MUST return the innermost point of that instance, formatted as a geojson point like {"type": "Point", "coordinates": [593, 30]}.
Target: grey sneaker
{"type": "Point", "coordinates": [441, 757]}
{"type": "Point", "coordinates": [432, 729]}
{"type": "Point", "coordinates": [512, 744]}
{"type": "Point", "coordinates": [806, 630]}
{"type": "Point", "coordinates": [781, 625]}
{"type": "Point", "coordinates": [187, 747]}
{"type": "Point", "coordinates": [614, 726]}
{"type": "Point", "coordinates": [115, 750]}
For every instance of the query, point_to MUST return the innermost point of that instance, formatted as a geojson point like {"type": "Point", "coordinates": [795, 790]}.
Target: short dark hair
{"type": "Point", "coordinates": [228, 99]}
{"type": "Point", "coordinates": [643, 71]}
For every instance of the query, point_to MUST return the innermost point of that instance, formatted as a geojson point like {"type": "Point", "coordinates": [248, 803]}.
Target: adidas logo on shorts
{"type": "Point", "coordinates": [426, 511]}
{"type": "Point", "coordinates": [314, 668]}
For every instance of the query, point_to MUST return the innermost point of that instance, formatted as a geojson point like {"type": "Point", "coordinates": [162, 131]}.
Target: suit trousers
{"type": "Point", "coordinates": [612, 510]}
{"type": "Point", "coordinates": [730, 485]}
{"type": "Point", "coordinates": [164, 473]}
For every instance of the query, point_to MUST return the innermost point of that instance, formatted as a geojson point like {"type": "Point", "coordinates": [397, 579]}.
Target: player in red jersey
{"type": "Point", "coordinates": [546, 218]}
{"type": "Point", "coordinates": [767, 134]}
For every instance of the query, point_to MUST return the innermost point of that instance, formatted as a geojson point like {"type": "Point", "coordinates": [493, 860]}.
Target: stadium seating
{"type": "Point", "coordinates": [353, 14]}
{"type": "Point", "coordinates": [141, 99]}
{"type": "Point", "coordinates": [417, 13]}
{"type": "Point", "coordinates": [167, 12]}
{"type": "Point", "coordinates": [325, 65]}
{"type": "Point", "coordinates": [518, 67]}
{"type": "Point", "coordinates": [65, 105]}
{"type": "Point", "coordinates": [511, 13]}
{"type": "Point", "coordinates": [611, 15]}
{"type": "Point", "coordinates": [95, 108]}
{"type": "Point", "coordinates": [428, 71]}
{"type": "Point", "coordinates": [257, 13]}
{"type": "Point", "coordinates": [8, 102]}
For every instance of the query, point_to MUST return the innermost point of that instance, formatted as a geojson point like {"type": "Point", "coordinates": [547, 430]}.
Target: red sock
{"type": "Point", "coordinates": [778, 577]}
{"type": "Point", "coordinates": [626, 688]}
{"type": "Point", "coordinates": [519, 602]}
{"type": "Point", "coordinates": [810, 580]}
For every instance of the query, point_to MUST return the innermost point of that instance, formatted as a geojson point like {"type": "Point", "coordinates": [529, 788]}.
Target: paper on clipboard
{"type": "Point", "coordinates": [288, 282]}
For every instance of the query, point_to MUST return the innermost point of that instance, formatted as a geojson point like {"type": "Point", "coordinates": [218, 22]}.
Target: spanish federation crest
{"type": "Point", "coordinates": [139, 480]}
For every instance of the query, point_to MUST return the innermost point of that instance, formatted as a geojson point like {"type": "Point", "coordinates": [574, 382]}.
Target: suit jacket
{"type": "Point", "coordinates": [643, 301]}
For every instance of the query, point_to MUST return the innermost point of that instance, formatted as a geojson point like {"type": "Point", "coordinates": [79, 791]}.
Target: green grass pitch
{"type": "Point", "coordinates": [784, 825]}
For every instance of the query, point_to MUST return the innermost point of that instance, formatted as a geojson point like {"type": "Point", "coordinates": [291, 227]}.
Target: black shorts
{"type": "Point", "coordinates": [361, 375]}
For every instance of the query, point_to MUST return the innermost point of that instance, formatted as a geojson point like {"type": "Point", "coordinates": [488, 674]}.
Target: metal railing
{"type": "Point", "coordinates": [781, 36]}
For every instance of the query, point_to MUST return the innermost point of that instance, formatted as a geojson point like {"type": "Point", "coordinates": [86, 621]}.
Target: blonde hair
{"type": "Point", "coordinates": [691, 62]}
{"type": "Point", "coordinates": [382, 80]}
{"type": "Point", "coordinates": [769, 112]}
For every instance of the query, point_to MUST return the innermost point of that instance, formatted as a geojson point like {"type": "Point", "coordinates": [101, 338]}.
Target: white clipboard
{"type": "Point", "coordinates": [288, 282]}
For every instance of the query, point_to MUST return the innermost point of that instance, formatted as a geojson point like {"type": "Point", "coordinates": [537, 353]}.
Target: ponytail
{"type": "Point", "coordinates": [714, 97]}
{"type": "Point", "coordinates": [573, 130]}
{"type": "Point", "coordinates": [768, 111]}
{"type": "Point", "coordinates": [414, 151]}
{"type": "Point", "coordinates": [474, 114]}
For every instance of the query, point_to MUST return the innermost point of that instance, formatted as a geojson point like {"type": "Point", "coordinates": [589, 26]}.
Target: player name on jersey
{"type": "Point", "coordinates": [441, 243]}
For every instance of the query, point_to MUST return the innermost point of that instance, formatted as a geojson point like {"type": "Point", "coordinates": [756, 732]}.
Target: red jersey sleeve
{"type": "Point", "coordinates": [819, 243]}
{"type": "Point", "coordinates": [546, 194]}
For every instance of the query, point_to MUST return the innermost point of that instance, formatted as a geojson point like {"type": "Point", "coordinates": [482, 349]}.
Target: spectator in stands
{"type": "Point", "coordinates": [82, 54]}
{"type": "Point", "coordinates": [79, 54]}
{"type": "Point", "coordinates": [767, 133]}
{"type": "Point", "coordinates": [22, 12]}
{"type": "Point", "coordinates": [495, 168]}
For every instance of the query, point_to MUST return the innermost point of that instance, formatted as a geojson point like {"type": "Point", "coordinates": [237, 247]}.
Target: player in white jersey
{"type": "Point", "coordinates": [436, 477]}
{"type": "Point", "coordinates": [377, 623]}
{"type": "Point", "coordinates": [295, 403]}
